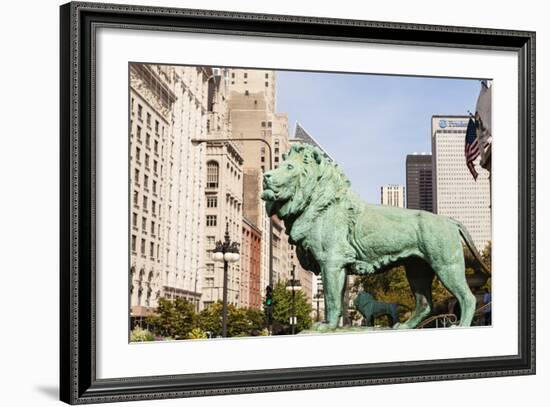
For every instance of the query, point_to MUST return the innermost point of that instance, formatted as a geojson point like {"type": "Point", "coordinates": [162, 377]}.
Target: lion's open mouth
{"type": "Point", "coordinates": [273, 201]}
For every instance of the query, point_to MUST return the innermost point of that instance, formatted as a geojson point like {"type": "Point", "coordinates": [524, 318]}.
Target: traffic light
{"type": "Point", "coordinates": [268, 296]}
{"type": "Point", "coordinates": [268, 304]}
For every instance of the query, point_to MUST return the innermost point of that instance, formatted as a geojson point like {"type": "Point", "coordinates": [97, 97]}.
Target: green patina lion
{"type": "Point", "coordinates": [369, 308]}
{"type": "Point", "coordinates": [336, 233]}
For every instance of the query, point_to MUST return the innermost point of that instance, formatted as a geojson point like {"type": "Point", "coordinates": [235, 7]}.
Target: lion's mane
{"type": "Point", "coordinates": [321, 184]}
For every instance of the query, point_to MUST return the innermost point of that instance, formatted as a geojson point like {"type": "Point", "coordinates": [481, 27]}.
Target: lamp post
{"type": "Point", "coordinates": [197, 141]}
{"type": "Point", "coordinates": [228, 252]}
{"type": "Point", "coordinates": [293, 285]}
{"type": "Point", "coordinates": [318, 297]}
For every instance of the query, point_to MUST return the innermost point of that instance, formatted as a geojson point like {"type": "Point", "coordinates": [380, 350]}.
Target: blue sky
{"type": "Point", "coordinates": [369, 123]}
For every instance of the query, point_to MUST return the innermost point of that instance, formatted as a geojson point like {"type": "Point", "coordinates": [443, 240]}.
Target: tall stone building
{"type": "Point", "coordinates": [419, 181]}
{"type": "Point", "coordinates": [303, 136]}
{"type": "Point", "coordinates": [223, 194]}
{"type": "Point", "coordinates": [251, 247]}
{"type": "Point", "coordinates": [252, 115]}
{"type": "Point", "coordinates": [167, 109]}
{"type": "Point", "coordinates": [224, 188]}
{"type": "Point", "coordinates": [392, 195]}
{"type": "Point", "coordinates": [455, 192]}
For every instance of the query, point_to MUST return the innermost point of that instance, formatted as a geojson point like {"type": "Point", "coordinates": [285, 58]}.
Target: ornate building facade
{"type": "Point", "coordinates": [167, 110]}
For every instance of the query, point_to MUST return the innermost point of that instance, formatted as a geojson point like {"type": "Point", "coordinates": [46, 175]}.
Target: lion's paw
{"type": "Point", "coordinates": [323, 327]}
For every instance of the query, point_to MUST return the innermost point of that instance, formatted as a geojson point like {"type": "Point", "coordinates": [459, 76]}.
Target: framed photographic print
{"type": "Point", "coordinates": [255, 203]}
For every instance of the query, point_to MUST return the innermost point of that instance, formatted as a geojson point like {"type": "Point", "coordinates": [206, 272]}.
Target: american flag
{"type": "Point", "coordinates": [471, 148]}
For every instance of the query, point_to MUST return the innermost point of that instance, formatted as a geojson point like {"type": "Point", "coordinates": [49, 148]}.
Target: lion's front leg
{"type": "Point", "coordinates": [334, 279]}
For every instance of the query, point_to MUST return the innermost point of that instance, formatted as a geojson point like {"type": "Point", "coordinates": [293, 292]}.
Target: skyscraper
{"type": "Point", "coordinates": [167, 110]}
{"type": "Point", "coordinates": [251, 103]}
{"type": "Point", "coordinates": [419, 182]}
{"type": "Point", "coordinates": [455, 193]}
{"type": "Point", "coordinates": [392, 195]}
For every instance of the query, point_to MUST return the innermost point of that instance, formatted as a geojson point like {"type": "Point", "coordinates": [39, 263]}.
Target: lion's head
{"type": "Point", "coordinates": [305, 177]}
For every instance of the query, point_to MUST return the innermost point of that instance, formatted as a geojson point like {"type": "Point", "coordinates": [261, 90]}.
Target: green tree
{"type": "Point", "coordinates": [393, 287]}
{"type": "Point", "coordinates": [173, 319]}
{"type": "Point", "coordinates": [486, 254]}
{"type": "Point", "coordinates": [197, 333]}
{"type": "Point", "coordinates": [240, 321]}
{"type": "Point", "coordinates": [256, 319]}
{"type": "Point", "coordinates": [139, 334]}
{"type": "Point", "coordinates": [282, 309]}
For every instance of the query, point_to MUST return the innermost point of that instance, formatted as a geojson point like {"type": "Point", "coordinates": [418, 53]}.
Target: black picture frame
{"type": "Point", "coordinates": [78, 382]}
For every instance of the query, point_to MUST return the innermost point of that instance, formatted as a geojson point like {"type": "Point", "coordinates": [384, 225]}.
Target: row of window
{"type": "Point", "coordinates": [245, 74]}
{"type": "Point", "coordinates": [158, 128]}
{"type": "Point", "coordinates": [154, 227]}
{"type": "Point", "coordinates": [145, 181]}
{"type": "Point", "coordinates": [145, 202]}
{"type": "Point", "coordinates": [148, 141]}
{"type": "Point", "coordinates": [213, 174]}
{"type": "Point", "coordinates": [143, 247]}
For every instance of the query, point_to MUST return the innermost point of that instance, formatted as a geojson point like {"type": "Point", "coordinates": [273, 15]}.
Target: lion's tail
{"type": "Point", "coordinates": [471, 245]}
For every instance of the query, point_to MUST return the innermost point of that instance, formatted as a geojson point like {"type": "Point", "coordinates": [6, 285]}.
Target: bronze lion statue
{"type": "Point", "coordinates": [336, 234]}
{"type": "Point", "coordinates": [370, 308]}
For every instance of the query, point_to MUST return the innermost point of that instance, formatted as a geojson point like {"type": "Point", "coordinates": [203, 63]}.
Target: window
{"type": "Point", "coordinates": [134, 219]}
{"type": "Point", "coordinates": [138, 132]}
{"type": "Point", "coordinates": [263, 124]}
{"type": "Point", "coordinates": [156, 126]}
{"type": "Point", "coordinates": [148, 140]}
{"type": "Point", "coordinates": [210, 268]}
{"type": "Point", "coordinates": [144, 224]}
{"type": "Point", "coordinates": [148, 119]}
{"type": "Point", "coordinates": [153, 207]}
{"type": "Point", "coordinates": [267, 84]}
{"type": "Point", "coordinates": [155, 166]}
{"type": "Point", "coordinates": [212, 201]}
{"type": "Point", "coordinates": [136, 176]}
{"type": "Point", "coordinates": [262, 159]}
{"type": "Point", "coordinates": [154, 186]}
{"type": "Point", "coordinates": [144, 203]}
{"type": "Point", "coordinates": [211, 220]}
{"type": "Point", "coordinates": [136, 198]}
{"type": "Point", "coordinates": [232, 74]}
{"type": "Point", "coordinates": [156, 147]}
{"type": "Point", "coordinates": [153, 227]}
{"type": "Point", "coordinates": [151, 249]}
{"type": "Point", "coordinates": [269, 124]}
{"type": "Point", "coordinates": [138, 154]}
{"type": "Point", "coordinates": [210, 240]}
{"type": "Point", "coordinates": [134, 243]}
{"type": "Point", "coordinates": [145, 181]}
{"type": "Point", "coordinates": [209, 281]}
{"type": "Point", "coordinates": [266, 76]}
{"type": "Point", "coordinates": [140, 112]}
{"type": "Point", "coordinates": [246, 92]}
{"type": "Point", "coordinates": [146, 160]}
{"type": "Point", "coordinates": [142, 246]}
{"type": "Point", "coordinates": [245, 75]}
{"type": "Point", "coordinates": [212, 174]}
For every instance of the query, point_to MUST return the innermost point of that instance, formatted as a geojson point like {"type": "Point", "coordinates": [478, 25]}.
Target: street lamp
{"type": "Point", "coordinates": [318, 298]}
{"type": "Point", "coordinates": [228, 252]}
{"type": "Point", "coordinates": [293, 285]}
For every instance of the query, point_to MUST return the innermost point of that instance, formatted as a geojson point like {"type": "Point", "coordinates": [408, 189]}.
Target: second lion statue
{"type": "Point", "coordinates": [336, 234]}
